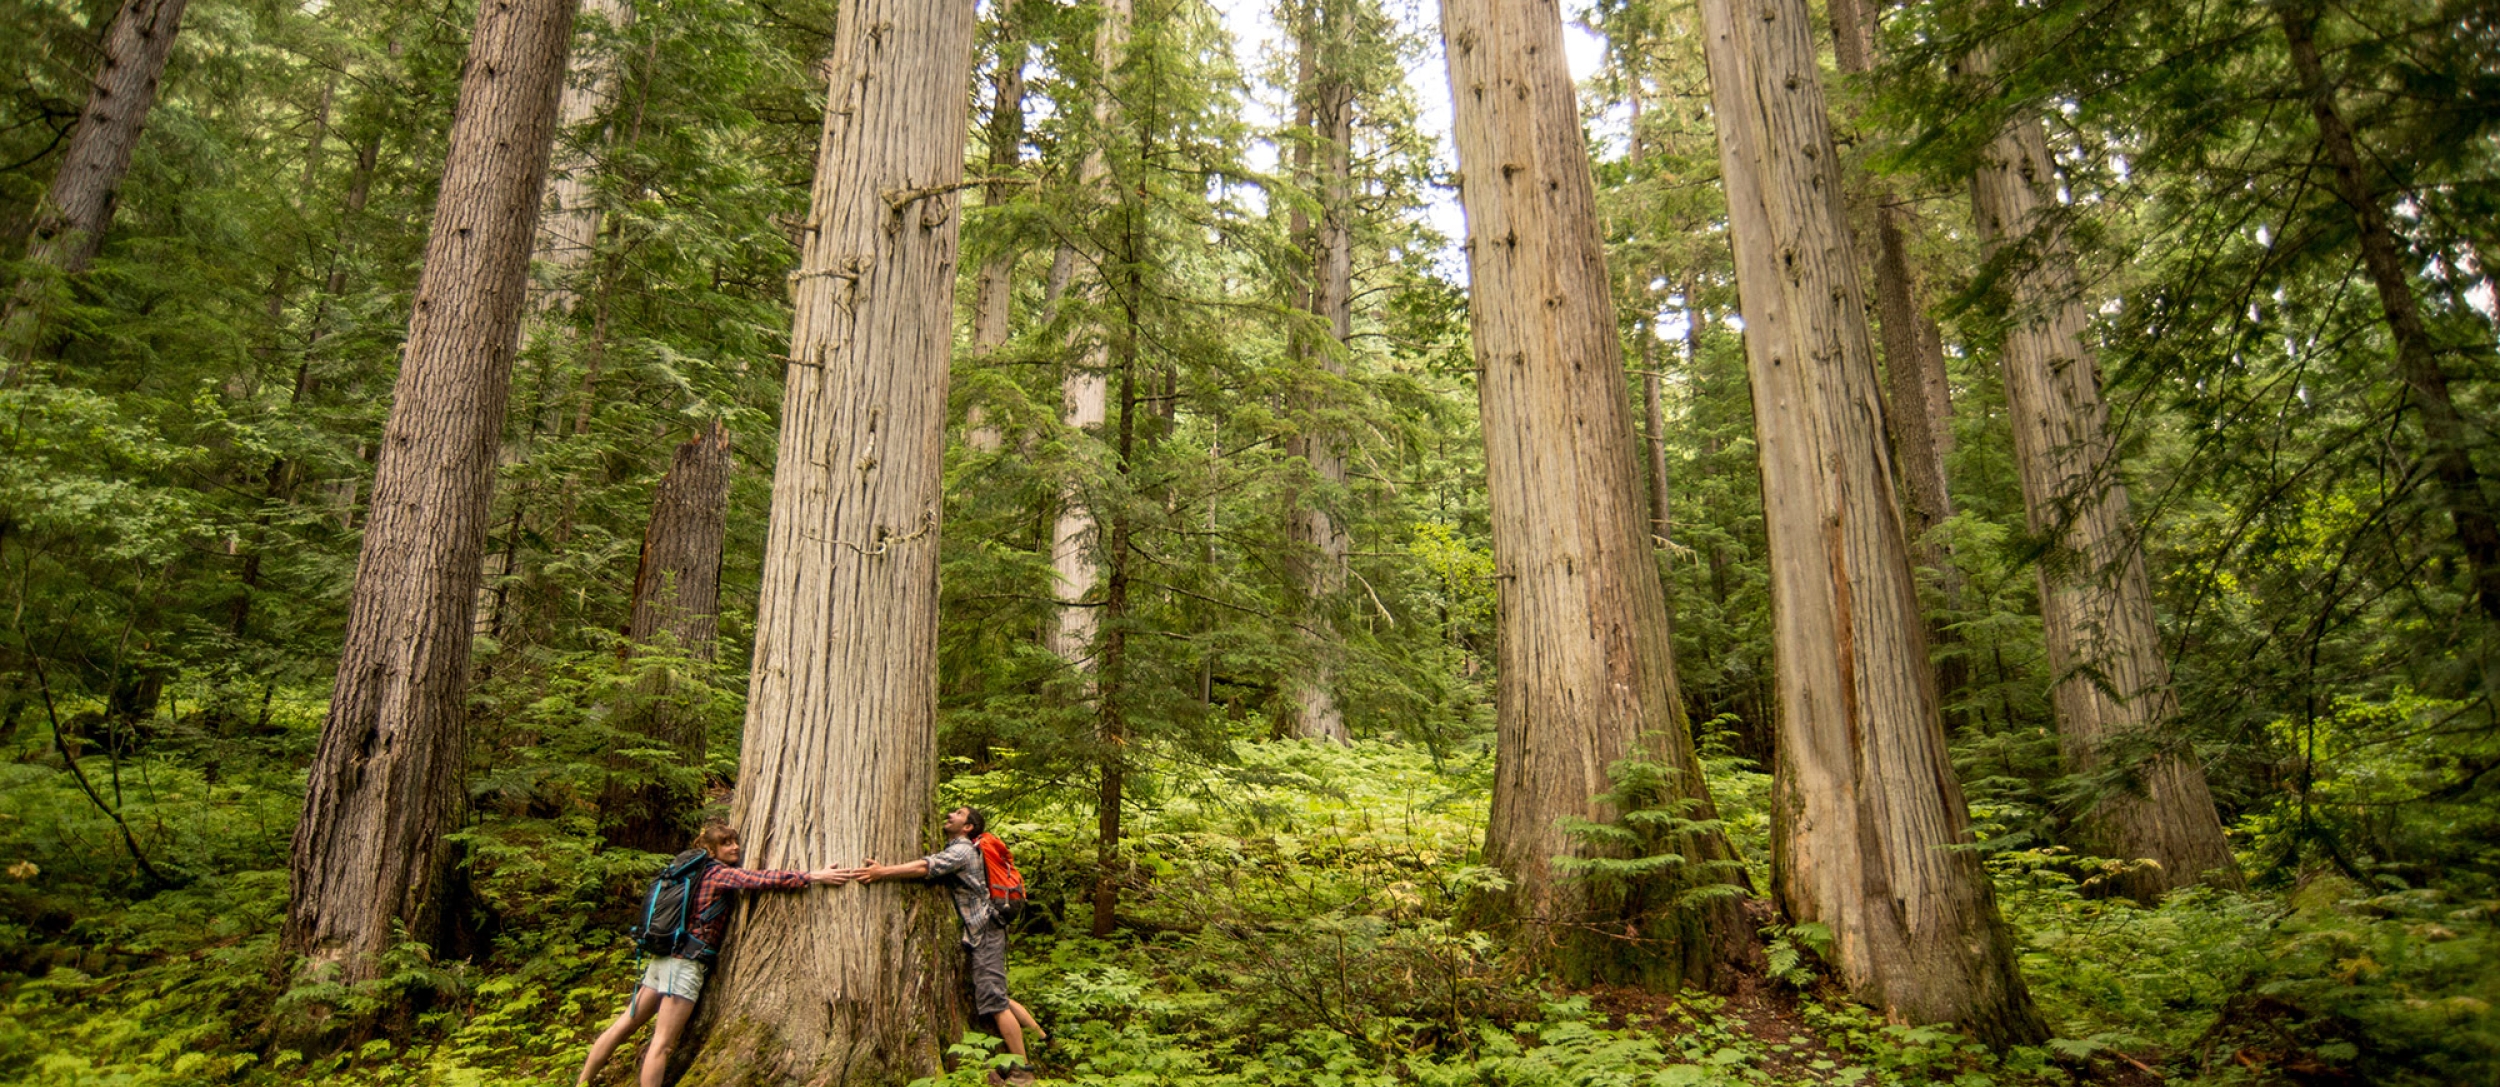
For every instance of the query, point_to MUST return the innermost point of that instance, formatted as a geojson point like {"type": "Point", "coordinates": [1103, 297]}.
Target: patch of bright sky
{"type": "Point", "coordinates": [1257, 39]}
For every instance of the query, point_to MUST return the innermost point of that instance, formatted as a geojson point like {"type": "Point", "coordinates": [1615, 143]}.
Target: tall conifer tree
{"type": "Point", "coordinates": [78, 207]}
{"type": "Point", "coordinates": [840, 752]}
{"type": "Point", "coordinates": [1326, 31]}
{"type": "Point", "coordinates": [1586, 677]}
{"type": "Point", "coordinates": [387, 784]}
{"type": "Point", "coordinates": [2113, 689]}
{"type": "Point", "coordinates": [1868, 818]}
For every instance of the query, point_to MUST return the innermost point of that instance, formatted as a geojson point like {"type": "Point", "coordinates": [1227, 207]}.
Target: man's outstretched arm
{"type": "Point", "coordinates": [872, 872]}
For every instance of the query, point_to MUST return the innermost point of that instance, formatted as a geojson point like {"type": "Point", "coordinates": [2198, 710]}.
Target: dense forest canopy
{"type": "Point", "coordinates": [1492, 541]}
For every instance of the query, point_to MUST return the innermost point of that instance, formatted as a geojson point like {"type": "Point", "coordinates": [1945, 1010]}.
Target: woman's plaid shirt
{"type": "Point", "coordinates": [720, 881]}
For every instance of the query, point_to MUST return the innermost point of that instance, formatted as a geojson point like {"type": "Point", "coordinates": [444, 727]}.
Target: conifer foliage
{"type": "Point", "coordinates": [1494, 541]}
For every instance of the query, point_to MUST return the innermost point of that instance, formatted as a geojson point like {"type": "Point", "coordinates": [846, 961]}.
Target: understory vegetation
{"type": "Point", "coordinates": [1291, 922]}
{"type": "Point", "coordinates": [1217, 631]}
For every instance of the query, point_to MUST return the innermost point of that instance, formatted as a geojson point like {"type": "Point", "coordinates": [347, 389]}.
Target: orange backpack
{"type": "Point", "coordinates": [1006, 884]}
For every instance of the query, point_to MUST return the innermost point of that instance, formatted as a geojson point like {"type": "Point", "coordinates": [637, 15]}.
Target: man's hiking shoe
{"type": "Point", "coordinates": [1021, 1077]}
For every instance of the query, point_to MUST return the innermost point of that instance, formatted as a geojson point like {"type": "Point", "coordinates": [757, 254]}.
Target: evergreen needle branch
{"type": "Point", "coordinates": [1243, 608]}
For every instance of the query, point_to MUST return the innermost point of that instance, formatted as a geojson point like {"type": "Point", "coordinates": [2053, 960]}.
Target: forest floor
{"type": "Point", "coordinates": [1289, 919]}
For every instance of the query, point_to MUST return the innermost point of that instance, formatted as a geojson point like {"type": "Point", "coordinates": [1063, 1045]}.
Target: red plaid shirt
{"type": "Point", "coordinates": [719, 880]}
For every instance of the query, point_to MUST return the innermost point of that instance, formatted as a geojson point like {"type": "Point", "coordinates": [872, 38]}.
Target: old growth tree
{"type": "Point", "coordinates": [839, 757]}
{"type": "Point", "coordinates": [1867, 811]}
{"type": "Point", "coordinates": [388, 784]}
{"type": "Point", "coordinates": [1587, 678]}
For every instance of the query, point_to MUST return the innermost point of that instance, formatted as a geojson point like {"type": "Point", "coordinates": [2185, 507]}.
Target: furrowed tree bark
{"type": "Point", "coordinates": [994, 288]}
{"type": "Point", "coordinates": [2096, 602]}
{"type": "Point", "coordinates": [2444, 427]}
{"type": "Point", "coordinates": [78, 208]}
{"type": "Point", "coordinates": [677, 581]}
{"type": "Point", "coordinates": [1866, 812]}
{"type": "Point", "coordinates": [386, 784]}
{"type": "Point", "coordinates": [1913, 357]}
{"type": "Point", "coordinates": [1085, 390]}
{"type": "Point", "coordinates": [676, 607]}
{"type": "Point", "coordinates": [839, 758]}
{"type": "Point", "coordinates": [1918, 409]}
{"type": "Point", "coordinates": [1324, 164]}
{"type": "Point", "coordinates": [1586, 673]}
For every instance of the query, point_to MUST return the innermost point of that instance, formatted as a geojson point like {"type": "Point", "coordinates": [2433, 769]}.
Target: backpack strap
{"type": "Point", "coordinates": [694, 889]}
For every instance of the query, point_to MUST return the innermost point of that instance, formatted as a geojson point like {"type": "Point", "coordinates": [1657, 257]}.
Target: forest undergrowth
{"type": "Point", "coordinates": [1293, 916]}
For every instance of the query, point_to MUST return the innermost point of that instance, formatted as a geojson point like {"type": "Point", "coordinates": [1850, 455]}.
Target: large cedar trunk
{"type": "Point", "coordinates": [676, 607]}
{"type": "Point", "coordinates": [2096, 604]}
{"type": "Point", "coordinates": [69, 227]}
{"type": "Point", "coordinates": [386, 783]}
{"type": "Point", "coordinates": [1324, 163]}
{"type": "Point", "coordinates": [1586, 676]}
{"type": "Point", "coordinates": [2445, 429]}
{"type": "Point", "coordinates": [677, 581]}
{"type": "Point", "coordinates": [1868, 818]}
{"type": "Point", "coordinates": [1918, 409]}
{"type": "Point", "coordinates": [840, 755]}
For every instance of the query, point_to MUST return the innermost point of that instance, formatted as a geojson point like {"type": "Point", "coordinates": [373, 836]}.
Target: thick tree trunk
{"type": "Point", "coordinates": [1918, 405]}
{"type": "Point", "coordinates": [1325, 165]}
{"type": "Point", "coordinates": [2096, 604]}
{"type": "Point", "coordinates": [677, 581]}
{"type": "Point", "coordinates": [386, 784]}
{"type": "Point", "coordinates": [2445, 429]}
{"type": "Point", "coordinates": [994, 288]}
{"type": "Point", "coordinates": [1918, 409]}
{"type": "Point", "coordinates": [839, 762]}
{"type": "Point", "coordinates": [568, 230]}
{"type": "Point", "coordinates": [77, 210]}
{"type": "Point", "coordinates": [1085, 390]}
{"type": "Point", "coordinates": [1868, 817]}
{"type": "Point", "coordinates": [1586, 676]}
{"type": "Point", "coordinates": [1913, 359]}
{"type": "Point", "coordinates": [676, 606]}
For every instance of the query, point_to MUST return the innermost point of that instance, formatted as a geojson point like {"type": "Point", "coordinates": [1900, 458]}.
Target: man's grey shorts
{"type": "Point", "coordinates": [987, 953]}
{"type": "Point", "coordinates": [673, 976]}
